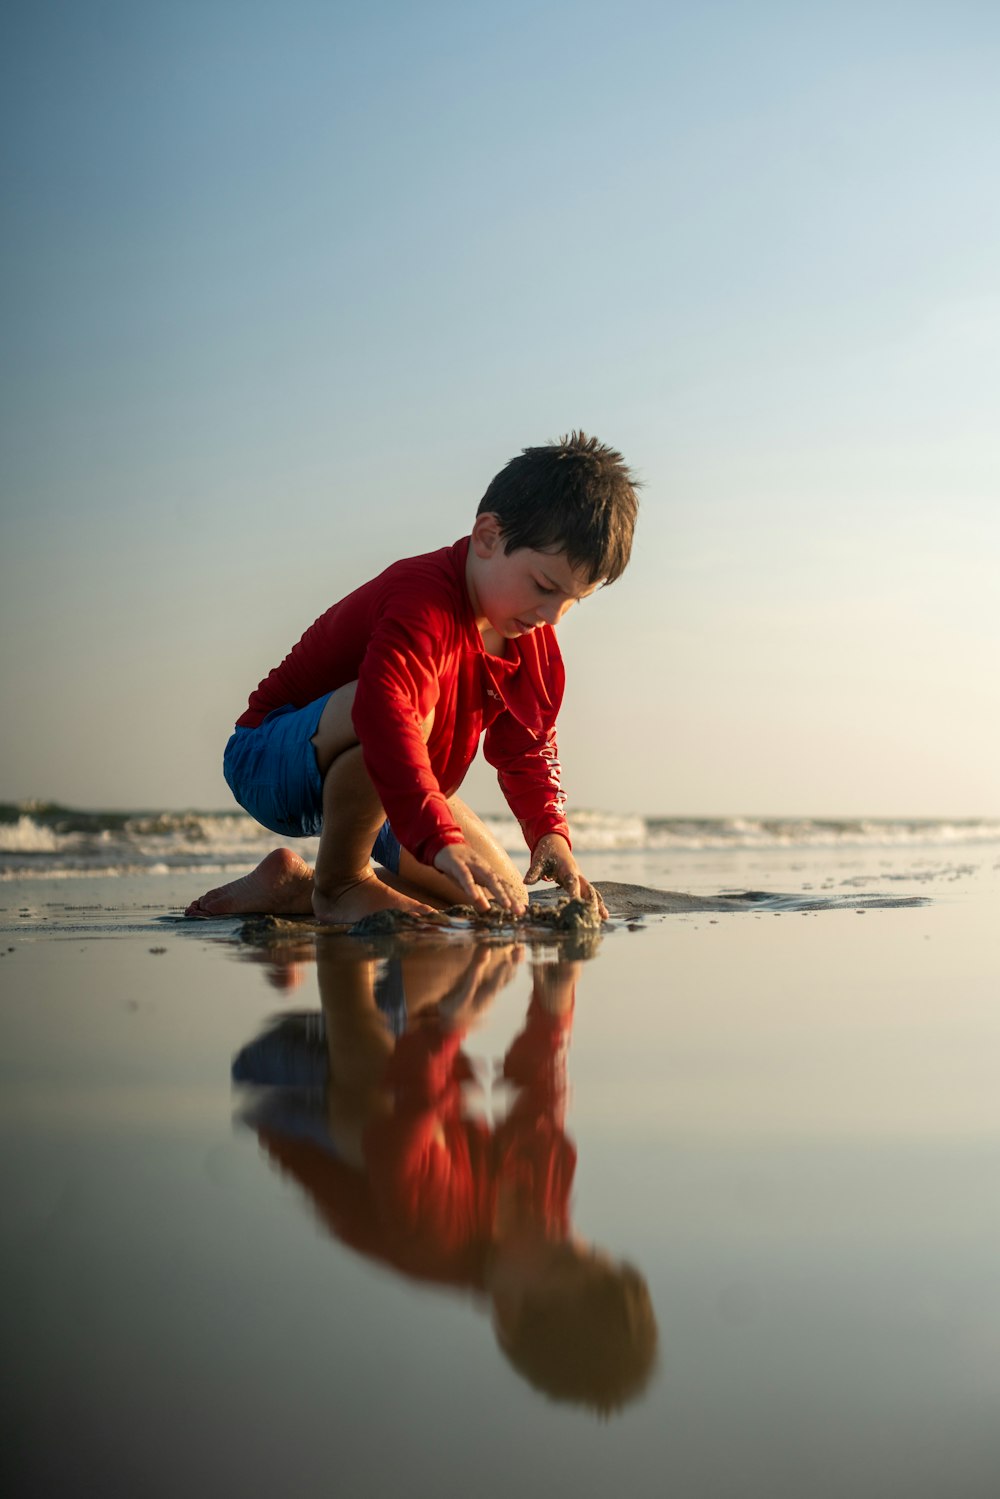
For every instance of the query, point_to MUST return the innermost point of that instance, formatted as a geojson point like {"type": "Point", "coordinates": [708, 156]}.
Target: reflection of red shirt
{"type": "Point", "coordinates": [428, 1203]}
{"type": "Point", "coordinates": [410, 640]}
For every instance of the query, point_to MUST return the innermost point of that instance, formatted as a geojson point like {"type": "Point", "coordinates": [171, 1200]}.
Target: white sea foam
{"type": "Point", "coordinates": [25, 836]}
{"type": "Point", "coordinates": [54, 841]}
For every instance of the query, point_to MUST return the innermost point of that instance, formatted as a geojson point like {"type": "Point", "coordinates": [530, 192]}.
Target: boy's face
{"type": "Point", "coordinates": [514, 593]}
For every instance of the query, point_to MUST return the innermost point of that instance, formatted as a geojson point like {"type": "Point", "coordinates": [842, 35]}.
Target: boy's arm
{"type": "Point", "coordinates": [529, 773]}
{"type": "Point", "coordinates": [397, 691]}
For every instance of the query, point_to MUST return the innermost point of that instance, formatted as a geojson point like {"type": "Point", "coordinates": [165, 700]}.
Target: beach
{"type": "Point", "coordinates": [778, 1089]}
{"type": "Point", "coordinates": [610, 390]}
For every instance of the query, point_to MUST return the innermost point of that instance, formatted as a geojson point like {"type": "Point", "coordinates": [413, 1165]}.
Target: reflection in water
{"type": "Point", "coordinates": [366, 1105]}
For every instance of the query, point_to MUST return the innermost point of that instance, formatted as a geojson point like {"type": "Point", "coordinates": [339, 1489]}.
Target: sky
{"type": "Point", "coordinates": [285, 284]}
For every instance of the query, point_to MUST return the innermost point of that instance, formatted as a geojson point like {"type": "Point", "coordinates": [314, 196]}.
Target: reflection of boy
{"type": "Point", "coordinates": [365, 731]}
{"type": "Point", "coordinates": [444, 1198]}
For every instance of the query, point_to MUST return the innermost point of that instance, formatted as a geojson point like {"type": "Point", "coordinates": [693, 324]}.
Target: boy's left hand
{"type": "Point", "coordinates": [553, 860]}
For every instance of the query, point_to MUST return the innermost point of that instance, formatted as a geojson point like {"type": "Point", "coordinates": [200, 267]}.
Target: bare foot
{"type": "Point", "coordinates": [360, 898]}
{"type": "Point", "coordinates": [281, 885]}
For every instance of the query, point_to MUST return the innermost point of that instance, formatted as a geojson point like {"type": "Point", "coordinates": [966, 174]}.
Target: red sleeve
{"type": "Point", "coordinates": [521, 743]}
{"type": "Point", "coordinates": [398, 685]}
{"type": "Point", "coordinates": [536, 1156]}
{"type": "Point", "coordinates": [427, 1164]}
{"type": "Point", "coordinates": [529, 773]}
{"type": "Point", "coordinates": [428, 1065]}
{"type": "Point", "coordinates": [536, 1060]}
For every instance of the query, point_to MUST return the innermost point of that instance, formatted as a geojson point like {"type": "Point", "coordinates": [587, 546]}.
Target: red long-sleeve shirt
{"type": "Point", "coordinates": [410, 640]}
{"type": "Point", "coordinates": [427, 1200]}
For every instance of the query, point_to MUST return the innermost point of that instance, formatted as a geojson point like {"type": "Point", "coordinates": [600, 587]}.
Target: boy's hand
{"type": "Point", "coordinates": [553, 860]}
{"type": "Point", "coordinates": [490, 968]}
{"type": "Point", "coordinates": [478, 882]}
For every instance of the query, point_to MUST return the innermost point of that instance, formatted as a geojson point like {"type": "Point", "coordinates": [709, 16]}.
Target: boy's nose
{"type": "Point", "coordinates": [553, 612]}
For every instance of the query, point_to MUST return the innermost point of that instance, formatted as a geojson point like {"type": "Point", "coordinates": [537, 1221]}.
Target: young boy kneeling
{"type": "Point", "coordinates": [366, 730]}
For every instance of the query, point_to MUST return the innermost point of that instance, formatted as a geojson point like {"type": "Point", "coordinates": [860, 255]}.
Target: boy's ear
{"type": "Point", "coordinates": [486, 535]}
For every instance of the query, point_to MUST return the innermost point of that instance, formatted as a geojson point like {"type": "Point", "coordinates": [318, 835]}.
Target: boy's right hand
{"type": "Point", "coordinates": [489, 969]}
{"type": "Point", "coordinates": [478, 882]}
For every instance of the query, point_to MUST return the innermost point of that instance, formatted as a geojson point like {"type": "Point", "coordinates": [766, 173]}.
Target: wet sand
{"type": "Point", "coordinates": [784, 1115]}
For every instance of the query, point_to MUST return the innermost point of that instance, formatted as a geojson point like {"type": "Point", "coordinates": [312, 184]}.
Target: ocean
{"type": "Point", "coordinates": [43, 840]}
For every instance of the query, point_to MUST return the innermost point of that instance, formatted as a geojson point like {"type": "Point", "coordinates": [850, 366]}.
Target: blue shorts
{"type": "Point", "coordinates": [272, 772]}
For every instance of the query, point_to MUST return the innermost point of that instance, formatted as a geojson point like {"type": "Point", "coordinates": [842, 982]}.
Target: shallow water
{"type": "Point", "coordinates": [787, 1121]}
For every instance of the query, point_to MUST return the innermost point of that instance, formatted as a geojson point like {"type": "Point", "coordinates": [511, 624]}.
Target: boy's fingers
{"type": "Point", "coordinates": [480, 897]}
{"type": "Point", "coordinates": [480, 884]}
{"type": "Point", "coordinates": [541, 866]}
{"type": "Point", "coordinates": [502, 893]}
{"type": "Point", "coordinates": [473, 890]}
{"type": "Point", "coordinates": [492, 885]}
{"type": "Point", "coordinates": [469, 878]}
{"type": "Point", "coordinates": [589, 893]}
{"type": "Point", "coordinates": [488, 884]}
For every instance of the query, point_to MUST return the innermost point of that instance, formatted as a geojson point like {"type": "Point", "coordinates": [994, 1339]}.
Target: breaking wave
{"type": "Point", "coordinates": [47, 839]}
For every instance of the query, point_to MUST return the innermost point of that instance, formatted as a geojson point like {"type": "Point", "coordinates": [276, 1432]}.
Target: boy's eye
{"type": "Point", "coordinates": [544, 588]}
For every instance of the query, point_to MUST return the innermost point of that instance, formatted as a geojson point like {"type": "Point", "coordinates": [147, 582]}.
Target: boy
{"type": "Point", "coordinates": [366, 730]}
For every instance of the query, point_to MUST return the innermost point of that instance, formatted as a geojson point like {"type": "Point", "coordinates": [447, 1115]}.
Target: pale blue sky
{"type": "Point", "coordinates": [285, 284]}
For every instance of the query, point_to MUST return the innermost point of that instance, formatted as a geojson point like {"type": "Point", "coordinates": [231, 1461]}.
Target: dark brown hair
{"type": "Point", "coordinates": [575, 495]}
{"type": "Point", "coordinates": [593, 1342]}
